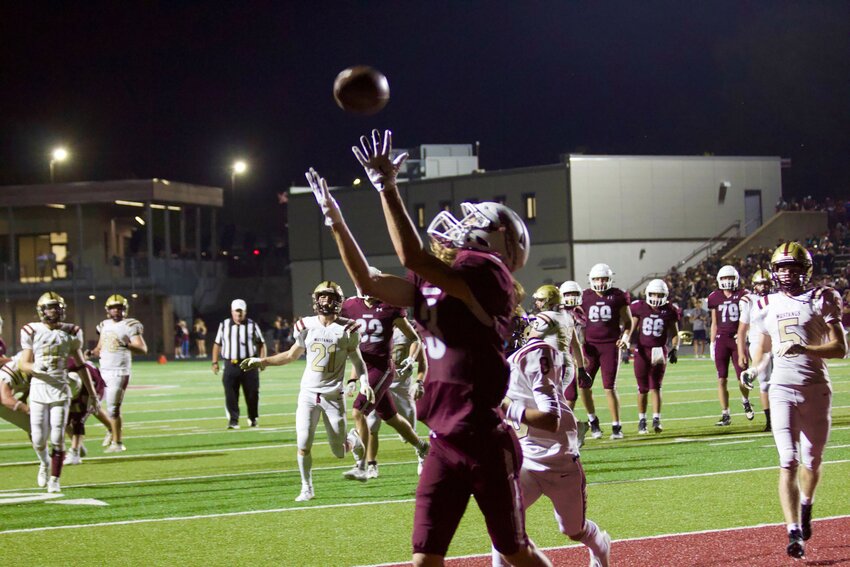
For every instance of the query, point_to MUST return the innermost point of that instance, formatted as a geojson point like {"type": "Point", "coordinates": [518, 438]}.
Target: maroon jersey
{"type": "Point", "coordinates": [728, 311]}
{"type": "Point", "coordinates": [467, 371]}
{"type": "Point", "coordinates": [376, 329]}
{"type": "Point", "coordinates": [654, 325]}
{"type": "Point", "coordinates": [603, 314]}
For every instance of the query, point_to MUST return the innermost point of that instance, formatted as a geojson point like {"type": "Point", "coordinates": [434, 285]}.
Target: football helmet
{"type": "Point", "coordinates": [686, 338]}
{"type": "Point", "coordinates": [333, 292]}
{"type": "Point", "coordinates": [656, 293]}
{"type": "Point", "coordinates": [117, 300]}
{"type": "Point", "coordinates": [549, 295]}
{"type": "Point", "coordinates": [604, 274]}
{"type": "Point", "coordinates": [519, 330]}
{"type": "Point", "coordinates": [762, 282]}
{"type": "Point", "coordinates": [48, 300]}
{"type": "Point", "coordinates": [571, 292]}
{"type": "Point", "coordinates": [796, 265]}
{"type": "Point", "coordinates": [487, 226]}
{"type": "Point", "coordinates": [724, 275]}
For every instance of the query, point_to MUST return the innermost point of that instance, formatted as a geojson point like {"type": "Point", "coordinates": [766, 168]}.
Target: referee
{"type": "Point", "coordinates": [239, 338]}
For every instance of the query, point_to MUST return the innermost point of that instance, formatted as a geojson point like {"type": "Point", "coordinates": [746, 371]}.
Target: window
{"type": "Point", "coordinates": [43, 257]}
{"type": "Point", "coordinates": [419, 211]}
{"type": "Point", "coordinates": [530, 204]}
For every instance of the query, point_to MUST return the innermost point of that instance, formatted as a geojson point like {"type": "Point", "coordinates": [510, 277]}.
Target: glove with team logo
{"type": "Point", "coordinates": [585, 381]}
{"type": "Point", "coordinates": [350, 387]}
{"type": "Point", "coordinates": [418, 390]}
{"type": "Point", "coordinates": [673, 355]}
{"type": "Point", "coordinates": [406, 366]}
{"type": "Point", "coordinates": [329, 206]}
{"type": "Point", "coordinates": [251, 363]}
{"type": "Point", "coordinates": [374, 156]}
{"type": "Point", "coordinates": [366, 389]}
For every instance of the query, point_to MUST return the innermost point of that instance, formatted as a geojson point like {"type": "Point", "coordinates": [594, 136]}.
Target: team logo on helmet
{"type": "Point", "coordinates": [657, 293]}
{"type": "Point", "coordinates": [791, 267]}
{"type": "Point", "coordinates": [54, 301]}
{"type": "Point", "coordinates": [519, 330]}
{"type": "Point", "coordinates": [728, 278]}
{"type": "Point", "coordinates": [601, 278]}
{"type": "Point", "coordinates": [117, 300]}
{"type": "Point", "coordinates": [761, 282]}
{"type": "Point", "coordinates": [571, 292]}
{"type": "Point", "coordinates": [487, 226]}
{"type": "Point", "coordinates": [333, 292]}
{"type": "Point", "coordinates": [547, 298]}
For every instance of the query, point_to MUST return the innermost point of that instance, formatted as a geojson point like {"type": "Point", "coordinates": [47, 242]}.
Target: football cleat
{"type": "Point", "coordinates": [115, 448]}
{"type": "Point", "coordinates": [602, 560]}
{"type": "Point", "coordinates": [581, 429]}
{"type": "Point", "coordinates": [233, 426]}
{"type": "Point", "coordinates": [107, 439]}
{"type": "Point", "coordinates": [41, 479]}
{"type": "Point", "coordinates": [616, 432]}
{"type": "Point", "coordinates": [372, 471]}
{"type": "Point", "coordinates": [53, 485]}
{"type": "Point", "coordinates": [725, 420]}
{"type": "Point", "coordinates": [748, 410]}
{"type": "Point", "coordinates": [795, 547]}
{"type": "Point", "coordinates": [595, 430]}
{"type": "Point", "coordinates": [806, 521]}
{"type": "Point", "coordinates": [356, 473]}
{"type": "Point", "coordinates": [306, 494]}
{"type": "Point", "coordinates": [656, 425]}
{"type": "Point", "coordinates": [642, 430]}
{"type": "Point", "coordinates": [72, 458]}
{"type": "Point", "coordinates": [254, 423]}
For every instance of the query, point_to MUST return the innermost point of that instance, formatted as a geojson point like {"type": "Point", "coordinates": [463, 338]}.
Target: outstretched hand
{"type": "Point", "coordinates": [374, 156]}
{"type": "Point", "coordinates": [329, 206]}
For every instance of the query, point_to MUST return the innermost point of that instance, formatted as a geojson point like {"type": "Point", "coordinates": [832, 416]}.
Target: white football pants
{"type": "Point", "coordinates": [49, 420]}
{"type": "Point", "coordinates": [801, 418]}
{"type": "Point", "coordinates": [332, 409]}
{"type": "Point", "coordinates": [116, 384]}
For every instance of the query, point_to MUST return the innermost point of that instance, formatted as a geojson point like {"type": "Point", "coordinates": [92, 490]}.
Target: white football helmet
{"type": "Point", "coordinates": [487, 226]}
{"type": "Point", "coordinates": [723, 281]}
{"type": "Point", "coordinates": [601, 271]}
{"type": "Point", "coordinates": [656, 287]}
{"type": "Point", "coordinates": [571, 292]}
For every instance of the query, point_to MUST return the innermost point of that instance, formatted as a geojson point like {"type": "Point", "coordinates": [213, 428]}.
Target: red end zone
{"type": "Point", "coordinates": [761, 546]}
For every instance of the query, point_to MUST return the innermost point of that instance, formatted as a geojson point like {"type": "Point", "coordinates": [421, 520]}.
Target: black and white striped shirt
{"type": "Point", "coordinates": [238, 342]}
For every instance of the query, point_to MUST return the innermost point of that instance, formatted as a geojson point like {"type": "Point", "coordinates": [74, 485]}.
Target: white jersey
{"type": "Point", "coordinates": [802, 319]}
{"type": "Point", "coordinates": [14, 377]}
{"type": "Point", "coordinates": [558, 328]}
{"type": "Point", "coordinates": [114, 337]}
{"type": "Point", "coordinates": [536, 382]}
{"type": "Point", "coordinates": [746, 312]}
{"type": "Point", "coordinates": [327, 349]}
{"type": "Point", "coordinates": [51, 349]}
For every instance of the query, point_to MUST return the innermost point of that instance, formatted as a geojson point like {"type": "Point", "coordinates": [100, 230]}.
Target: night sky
{"type": "Point", "coordinates": [178, 90]}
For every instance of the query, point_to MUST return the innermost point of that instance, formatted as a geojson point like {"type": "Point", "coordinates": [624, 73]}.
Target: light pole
{"type": "Point", "coordinates": [58, 155]}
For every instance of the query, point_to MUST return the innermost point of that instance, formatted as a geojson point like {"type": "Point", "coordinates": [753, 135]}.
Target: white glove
{"type": "Point", "coordinates": [417, 390]}
{"type": "Point", "coordinates": [406, 366]}
{"type": "Point", "coordinates": [251, 363]}
{"type": "Point", "coordinates": [350, 387]}
{"type": "Point", "coordinates": [374, 156]}
{"type": "Point", "coordinates": [749, 377]}
{"type": "Point", "coordinates": [711, 350]}
{"type": "Point", "coordinates": [366, 389]}
{"type": "Point", "coordinates": [328, 204]}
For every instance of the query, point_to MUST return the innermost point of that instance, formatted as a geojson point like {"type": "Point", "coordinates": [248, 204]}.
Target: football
{"type": "Point", "coordinates": [361, 90]}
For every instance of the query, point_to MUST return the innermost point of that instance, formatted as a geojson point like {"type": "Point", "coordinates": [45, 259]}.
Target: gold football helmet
{"type": "Point", "coordinates": [791, 267]}
{"type": "Point", "coordinates": [761, 282]}
{"type": "Point", "coordinates": [48, 300]}
{"type": "Point", "coordinates": [335, 298]}
{"type": "Point", "coordinates": [547, 298]}
{"type": "Point", "coordinates": [686, 338]}
{"type": "Point", "coordinates": [117, 300]}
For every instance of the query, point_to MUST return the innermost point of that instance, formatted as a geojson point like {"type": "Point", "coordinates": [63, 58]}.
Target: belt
{"type": "Point", "coordinates": [235, 361]}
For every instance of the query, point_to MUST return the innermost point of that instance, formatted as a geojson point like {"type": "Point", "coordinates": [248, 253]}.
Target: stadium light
{"type": "Point", "coordinates": [140, 220]}
{"type": "Point", "coordinates": [239, 167]}
{"type": "Point", "coordinates": [57, 155]}
{"type": "Point", "coordinates": [356, 182]}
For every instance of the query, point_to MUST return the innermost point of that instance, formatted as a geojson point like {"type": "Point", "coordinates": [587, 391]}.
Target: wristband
{"type": "Point", "coordinates": [515, 412]}
{"type": "Point", "coordinates": [18, 404]}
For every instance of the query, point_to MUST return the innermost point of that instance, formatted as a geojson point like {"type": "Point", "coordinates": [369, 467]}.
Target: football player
{"type": "Point", "coordinates": [120, 338]}
{"type": "Point", "coordinates": [724, 305]}
{"type": "Point", "coordinates": [571, 292]}
{"type": "Point", "coordinates": [547, 429]}
{"type": "Point", "coordinates": [14, 390]}
{"type": "Point", "coordinates": [46, 346]}
{"type": "Point", "coordinates": [800, 327]}
{"type": "Point", "coordinates": [608, 328]}
{"type": "Point", "coordinates": [463, 300]}
{"type": "Point", "coordinates": [749, 334]}
{"type": "Point", "coordinates": [656, 321]}
{"type": "Point", "coordinates": [376, 321]}
{"type": "Point", "coordinates": [4, 358]}
{"type": "Point", "coordinates": [81, 409]}
{"type": "Point", "coordinates": [406, 354]}
{"type": "Point", "coordinates": [329, 340]}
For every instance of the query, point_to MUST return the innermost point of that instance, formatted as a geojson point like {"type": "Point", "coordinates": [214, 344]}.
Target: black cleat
{"type": "Point", "coordinates": [595, 430]}
{"type": "Point", "coordinates": [616, 432]}
{"type": "Point", "coordinates": [725, 420]}
{"type": "Point", "coordinates": [795, 547]}
{"type": "Point", "coordinates": [656, 424]}
{"type": "Point", "coordinates": [642, 426]}
{"type": "Point", "coordinates": [748, 410]}
{"type": "Point", "coordinates": [806, 521]}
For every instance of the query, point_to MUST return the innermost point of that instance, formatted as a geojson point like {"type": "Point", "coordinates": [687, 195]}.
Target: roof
{"type": "Point", "coordinates": [88, 192]}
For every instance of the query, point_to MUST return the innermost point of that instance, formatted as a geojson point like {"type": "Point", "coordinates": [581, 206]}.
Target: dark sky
{"type": "Point", "coordinates": [179, 89]}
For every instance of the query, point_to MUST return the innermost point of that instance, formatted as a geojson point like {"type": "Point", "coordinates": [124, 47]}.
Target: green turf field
{"type": "Point", "coordinates": [187, 491]}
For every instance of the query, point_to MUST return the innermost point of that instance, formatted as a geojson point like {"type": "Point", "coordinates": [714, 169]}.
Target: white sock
{"type": "Point", "coordinates": [305, 466]}
{"type": "Point", "coordinates": [593, 538]}
{"type": "Point", "coordinates": [656, 416]}
{"type": "Point", "coordinates": [591, 416]}
{"type": "Point", "coordinates": [806, 501]}
{"type": "Point", "coordinates": [642, 415]}
{"type": "Point", "coordinates": [726, 411]}
{"type": "Point", "coordinates": [615, 423]}
{"type": "Point", "coordinates": [792, 527]}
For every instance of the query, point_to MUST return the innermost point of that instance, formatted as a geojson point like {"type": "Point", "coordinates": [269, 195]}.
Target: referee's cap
{"type": "Point", "coordinates": [238, 304]}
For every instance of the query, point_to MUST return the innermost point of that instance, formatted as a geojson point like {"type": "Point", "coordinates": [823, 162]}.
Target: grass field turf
{"type": "Point", "coordinates": [188, 491]}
